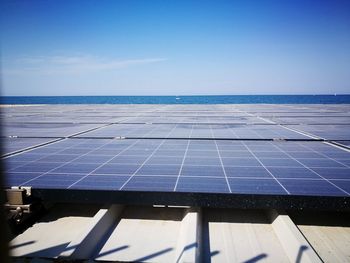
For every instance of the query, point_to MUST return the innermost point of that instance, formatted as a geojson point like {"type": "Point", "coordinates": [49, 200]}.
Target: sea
{"type": "Point", "coordinates": [222, 99]}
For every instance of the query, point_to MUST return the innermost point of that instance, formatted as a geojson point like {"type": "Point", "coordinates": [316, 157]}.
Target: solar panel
{"type": "Point", "coordinates": [238, 131]}
{"type": "Point", "coordinates": [182, 154]}
{"type": "Point", "coordinates": [11, 145]}
{"type": "Point", "coordinates": [197, 119]}
{"type": "Point", "coordinates": [330, 132]}
{"type": "Point", "coordinates": [344, 143]}
{"type": "Point", "coordinates": [194, 166]}
{"type": "Point", "coordinates": [322, 119]}
{"type": "Point", "coordinates": [44, 129]}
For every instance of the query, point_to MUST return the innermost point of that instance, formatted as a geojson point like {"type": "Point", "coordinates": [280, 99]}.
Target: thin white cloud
{"type": "Point", "coordinates": [71, 64]}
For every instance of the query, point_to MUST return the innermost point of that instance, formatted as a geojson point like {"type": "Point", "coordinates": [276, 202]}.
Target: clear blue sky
{"type": "Point", "coordinates": [175, 47]}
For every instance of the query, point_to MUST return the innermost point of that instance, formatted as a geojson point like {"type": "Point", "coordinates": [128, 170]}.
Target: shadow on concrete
{"type": "Point", "coordinates": [188, 247]}
{"type": "Point", "coordinates": [21, 244]}
{"type": "Point", "coordinates": [156, 254]}
{"type": "Point", "coordinates": [256, 258]}
{"type": "Point", "coordinates": [50, 252]}
{"type": "Point", "coordinates": [300, 253]}
{"type": "Point", "coordinates": [113, 251]}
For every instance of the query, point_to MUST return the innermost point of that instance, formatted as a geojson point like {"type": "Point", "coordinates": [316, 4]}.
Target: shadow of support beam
{"type": "Point", "coordinates": [156, 254]}
{"type": "Point", "coordinates": [256, 259]}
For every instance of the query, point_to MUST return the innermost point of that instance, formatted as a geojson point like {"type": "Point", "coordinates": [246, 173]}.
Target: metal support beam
{"type": "Point", "coordinates": [83, 246]}
{"type": "Point", "coordinates": [295, 245]}
{"type": "Point", "coordinates": [188, 245]}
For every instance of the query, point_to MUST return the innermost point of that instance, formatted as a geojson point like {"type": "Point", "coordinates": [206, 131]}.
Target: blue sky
{"type": "Point", "coordinates": [174, 47]}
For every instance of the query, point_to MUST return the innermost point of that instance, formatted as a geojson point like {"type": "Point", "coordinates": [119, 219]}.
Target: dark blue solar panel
{"type": "Point", "coordinates": [76, 168]}
{"type": "Point", "coordinates": [238, 167]}
{"type": "Point", "coordinates": [55, 180]}
{"type": "Point", "coordinates": [308, 154]}
{"type": "Point", "coordinates": [11, 165]}
{"type": "Point", "coordinates": [159, 170]}
{"type": "Point", "coordinates": [92, 158]}
{"type": "Point", "coordinates": [202, 153]}
{"type": "Point", "coordinates": [151, 183]}
{"type": "Point", "coordinates": [16, 144]}
{"type": "Point", "coordinates": [202, 171]}
{"type": "Point", "coordinates": [282, 162]}
{"type": "Point", "coordinates": [77, 151]}
{"type": "Point", "coordinates": [245, 162]}
{"type": "Point", "coordinates": [333, 173]}
{"type": "Point", "coordinates": [202, 161]}
{"type": "Point", "coordinates": [169, 153]}
{"type": "Point", "coordinates": [16, 179]}
{"type": "Point", "coordinates": [117, 169]}
{"type": "Point", "coordinates": [194, 130]}
{"type": "Point", "coordinates": [256, 186]}
{"type": "Point", "coordinates": [44, 129]}
{"type": "Point", "coordinates": [202, 184]}
{"type": "Point", "coordinates": [26, 157]}
{"type": "Point", "coordinates": [236, 154]}
{"type": "Point", "coordinates": [343, 184]}
{"type": "Point", "coordinates": [327, 163]}
{"type": "Point", "coordinates": [293, 173]}
{"type": "Point", "coordinates": [46, 150]}
{"type": "Point", "coordinates": [100, 182]}
{"type": "Point", "coordinates": [327, 131]}
{"type": "Point", "coordinates": [271, 154]}
{"type": "Point", "coordinates": [60, 158]}
{"type": "Point", "coordinates": [247, 172]}
{"type": "Point", "coordinates": [311, 187]}
{"type": "Point", "coordinates": [128, 159]}
{"type": "Point", "coordinates": [36, 167]}
{"type": "Point", "coordinates": [165, 160]}
{"type": "Point", "coordinates": [345, 143]}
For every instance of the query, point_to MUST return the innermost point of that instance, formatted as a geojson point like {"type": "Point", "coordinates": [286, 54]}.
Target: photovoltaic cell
{"type": "Point", "coordinates": [17, 144]}
{"type": "Point", "coordinates": [329, 132]}
{"type": "Point", "coordinates": [22, 129]}
{"type": "Point", "coordinates": [136, 165]}
{"type": "Point", "coordinates": [188, 131]}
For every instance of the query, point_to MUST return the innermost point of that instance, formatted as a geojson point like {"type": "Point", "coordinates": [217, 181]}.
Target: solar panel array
{"type": "Point", "coordinates": [224, 149]}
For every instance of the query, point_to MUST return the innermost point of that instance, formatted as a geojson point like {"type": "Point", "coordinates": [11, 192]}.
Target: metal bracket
{"type": "Point", "coordinates": [18, 202]}
{"type": "Point", "coordinates": [18, 195]}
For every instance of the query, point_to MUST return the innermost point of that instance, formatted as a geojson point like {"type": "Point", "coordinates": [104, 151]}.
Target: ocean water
{"type": "Point", "coordinates": [229, 99]}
